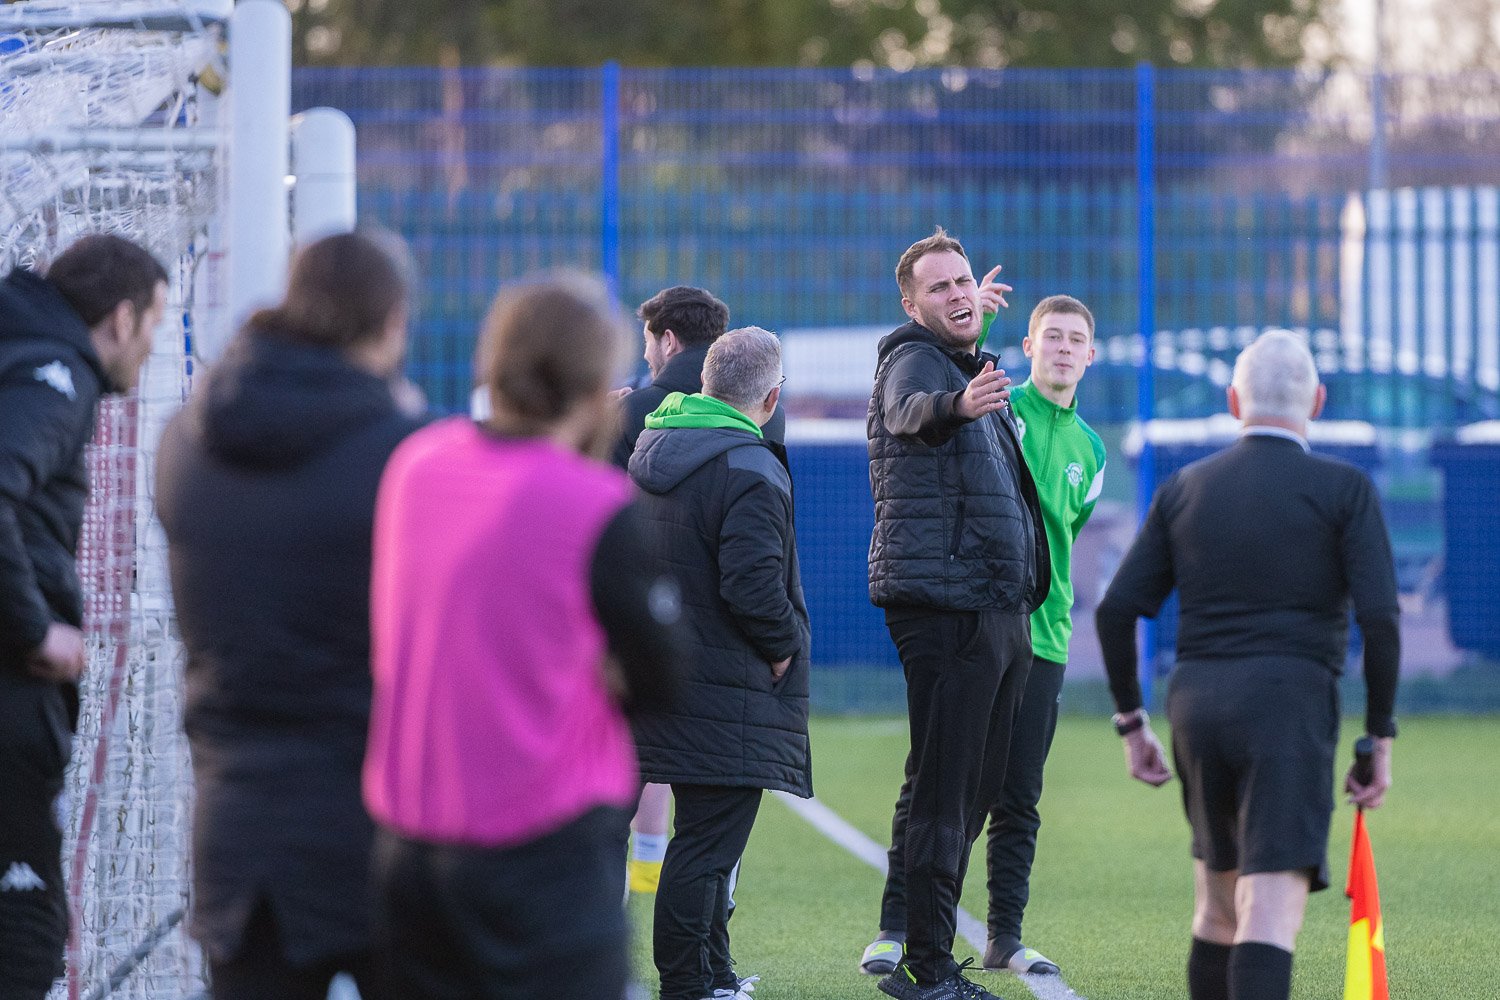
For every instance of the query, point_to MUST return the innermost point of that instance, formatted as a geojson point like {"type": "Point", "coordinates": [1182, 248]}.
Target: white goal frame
{"type": "Point", "coordinates": [166, 121]}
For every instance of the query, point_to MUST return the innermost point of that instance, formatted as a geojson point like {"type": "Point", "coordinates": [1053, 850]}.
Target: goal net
{"type": "Point", "coordinates": [108, 122]}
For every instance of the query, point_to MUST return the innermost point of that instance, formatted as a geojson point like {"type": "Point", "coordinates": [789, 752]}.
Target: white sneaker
{"type": "Point", "coordinates": [883, 954]}
{"type": "Point", "coordinates": [1023, 961]}
{"type": "Point", "coordinates": [741, 992]}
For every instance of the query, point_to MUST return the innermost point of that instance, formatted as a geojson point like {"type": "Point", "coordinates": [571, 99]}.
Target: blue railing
{"type": "Point", "coordinates": [1189, 209]}
{"type": "Point", "coordinates": [790, 193]}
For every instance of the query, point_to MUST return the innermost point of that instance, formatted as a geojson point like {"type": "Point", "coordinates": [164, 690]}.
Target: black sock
{"type": "Point", "coordinates": [1208, 970]}
{"type": "Point", "coordinates": [1260, 972]}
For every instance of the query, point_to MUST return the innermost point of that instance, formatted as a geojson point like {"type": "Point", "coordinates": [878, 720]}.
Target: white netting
{"type": "Point", "coordinates": [108, 128]}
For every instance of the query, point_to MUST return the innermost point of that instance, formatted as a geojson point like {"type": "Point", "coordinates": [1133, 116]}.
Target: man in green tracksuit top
{"type": "Point", "coordinates": [1067, 461]}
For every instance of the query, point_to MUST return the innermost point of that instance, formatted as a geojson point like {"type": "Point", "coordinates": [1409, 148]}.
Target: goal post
{"type": "Point", "coordinates": [146, 118]}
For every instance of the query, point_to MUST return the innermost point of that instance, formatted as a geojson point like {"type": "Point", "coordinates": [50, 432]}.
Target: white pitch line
{"type": "Point", "coordinates": [837, 829]}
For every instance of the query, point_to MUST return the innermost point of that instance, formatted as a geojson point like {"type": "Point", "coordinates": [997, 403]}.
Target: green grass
{"type": "Point", "coordinates": [1112, 888]}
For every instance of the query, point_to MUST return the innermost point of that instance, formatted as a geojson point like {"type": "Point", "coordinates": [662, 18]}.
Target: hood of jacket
{"type": "Point", "coordinates": [698, 410]}
{"type": "Point", "coordinates": [915, 333]}
{"type": "Point", "coordinates": [273, 402]}
{"type": "Point", "coordinates": [685, 434]}
{"type": "Point", "coordinates": [33, 310]}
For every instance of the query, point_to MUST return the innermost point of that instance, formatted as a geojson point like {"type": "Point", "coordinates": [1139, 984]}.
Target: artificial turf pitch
{"type": "Point", "coordinates": [1112, 887]}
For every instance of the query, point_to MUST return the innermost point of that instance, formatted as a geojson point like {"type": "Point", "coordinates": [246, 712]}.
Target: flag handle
{"type": "Point", "coordinates": [1364, 762]}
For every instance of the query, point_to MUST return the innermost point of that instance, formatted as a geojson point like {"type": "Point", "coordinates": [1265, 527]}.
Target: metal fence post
{"type": "Point", "coordinates": [1145, 215]}
{"type": "Point", "coordinates": [609, 181]}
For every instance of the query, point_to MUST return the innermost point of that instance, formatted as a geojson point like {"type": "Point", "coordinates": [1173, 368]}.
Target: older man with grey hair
{"type": "Point", "coordinates": [1267, 545]}
{"type": "Point", "coordinates": [718, 504]}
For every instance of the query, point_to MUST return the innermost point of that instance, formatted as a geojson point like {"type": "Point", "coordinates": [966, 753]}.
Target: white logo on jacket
{"type": "Point", "coordinates": [59, 376]}
{"type": "Point", "coordinates": [21, 877]}
{"type": "Point", "coordinates": [1074, 472]}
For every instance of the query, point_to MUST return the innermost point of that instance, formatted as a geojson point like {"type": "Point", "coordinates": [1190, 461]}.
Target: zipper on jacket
{"type": "Point", "coordinates": [958, 530]}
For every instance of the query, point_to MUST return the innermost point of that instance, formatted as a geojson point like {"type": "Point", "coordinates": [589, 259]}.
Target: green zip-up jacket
{"type": "Point", "coordinates": [1067, 462]}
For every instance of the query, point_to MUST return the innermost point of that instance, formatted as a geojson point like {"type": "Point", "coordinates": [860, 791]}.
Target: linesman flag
{"type": "Point", "coordinates": [1364, 979]}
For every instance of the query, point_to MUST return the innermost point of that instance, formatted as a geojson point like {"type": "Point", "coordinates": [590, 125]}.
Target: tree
{"type": "Point", "coordinates": [899, 34]}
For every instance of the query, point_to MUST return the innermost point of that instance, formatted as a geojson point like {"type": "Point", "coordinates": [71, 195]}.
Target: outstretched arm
{"type": "Point", "coordinates": [915, 406]}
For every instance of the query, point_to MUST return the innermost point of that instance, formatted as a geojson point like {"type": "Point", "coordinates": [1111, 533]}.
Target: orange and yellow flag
{"type": "Point", "coordinates": [1364, 979]}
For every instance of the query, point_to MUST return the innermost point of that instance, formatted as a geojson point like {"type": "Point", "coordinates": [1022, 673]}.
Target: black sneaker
{"type": "Point", "coordinates": [957, 986]}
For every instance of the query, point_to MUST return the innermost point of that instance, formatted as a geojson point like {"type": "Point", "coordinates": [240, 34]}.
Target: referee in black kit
{"type": "Point", "coordinates": [1266, 544]}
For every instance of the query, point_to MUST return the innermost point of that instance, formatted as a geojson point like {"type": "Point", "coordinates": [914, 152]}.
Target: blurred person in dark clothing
{"type": "Point", "coordinates": [1267, 546]}
{"type": "Point", "coordinates": [83, 330]}
{"type": "Point", "coordinates": [517, 616]}
{"type": "Point", "coordinates": [266, 485]}
{"type": "Point", "coordinates": [718, 503]}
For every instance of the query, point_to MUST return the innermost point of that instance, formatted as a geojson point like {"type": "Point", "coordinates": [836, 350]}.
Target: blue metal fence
{"type": "Point", "coordinates": [789, 192]}
{"type": "Point", "coordinates": [1190, 209]}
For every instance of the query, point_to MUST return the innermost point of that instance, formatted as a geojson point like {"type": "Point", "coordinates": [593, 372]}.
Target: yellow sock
{"type": "Point", "coordinates": [645, 876]}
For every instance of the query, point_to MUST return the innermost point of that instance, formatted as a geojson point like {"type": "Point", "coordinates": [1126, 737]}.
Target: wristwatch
{"type": "Point", "coordinates": [1125, 726]}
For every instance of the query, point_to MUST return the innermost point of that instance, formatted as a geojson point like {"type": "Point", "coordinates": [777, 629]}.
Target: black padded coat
{"type": "Point", "coordinates": [718, 504]}
{"type": "Point", "coordinates": [958, 526]}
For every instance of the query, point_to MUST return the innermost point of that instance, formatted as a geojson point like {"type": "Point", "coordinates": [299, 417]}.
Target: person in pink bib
{"type": "Point", "coordinates": [516, 616]}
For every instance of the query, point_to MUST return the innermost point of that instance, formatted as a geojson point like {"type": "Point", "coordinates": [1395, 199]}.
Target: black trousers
{"type": "Point", "coordinates": [260, 970]}
{"type": "Point", "coordinates": [539, 919]}
{"type": "Point", "coordinates": [965, 676]}
{"type": "Point", "coordinates": [35, 741]}
{"type": "Point", "coordinates": [1014, 820]}
{"type": "Point", "coordinates": [690, 938]}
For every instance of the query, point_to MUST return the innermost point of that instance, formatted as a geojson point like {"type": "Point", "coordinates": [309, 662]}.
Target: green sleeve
{"type": "Point", "coordinates": [984, 329]}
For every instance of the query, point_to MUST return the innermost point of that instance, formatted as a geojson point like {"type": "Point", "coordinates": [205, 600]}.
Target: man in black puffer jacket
{"type": "Point", "coordinates": [66, 339]}
{"type": "Point", "coordinates": [719, 507]}
{"type": "Point", "coordinates": [958, 560]}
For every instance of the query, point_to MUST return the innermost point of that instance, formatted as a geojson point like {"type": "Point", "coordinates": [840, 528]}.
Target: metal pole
{"type": "Point", "coordinates": [609, 186]}
{"type": "Point", "coordinates": [1145, 399]}
{"type": "Point", "coordinates": [323, 201]}
{"type": "Point", "coordinates": [1379, 178]}
{"type": "Point", "coordinates": [260, 101]}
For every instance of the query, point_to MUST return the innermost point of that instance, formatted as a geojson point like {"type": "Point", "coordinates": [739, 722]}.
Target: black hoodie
{"type": "Point", "coordinates": [266, 487]}
{"type": "Point", "coordinates": [50, 382]}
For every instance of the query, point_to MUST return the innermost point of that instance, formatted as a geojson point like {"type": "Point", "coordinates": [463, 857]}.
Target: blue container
{"type": "Point", "coordinates": [1471, 542]}
{"type": "Point", "coordinates": [835, 515]}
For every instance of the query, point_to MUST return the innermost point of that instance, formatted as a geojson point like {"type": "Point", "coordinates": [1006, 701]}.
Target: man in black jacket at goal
{"type": "Point", "coordinates": [83, 330]}
{"type": "Point", "coordinates": [718, 505]}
